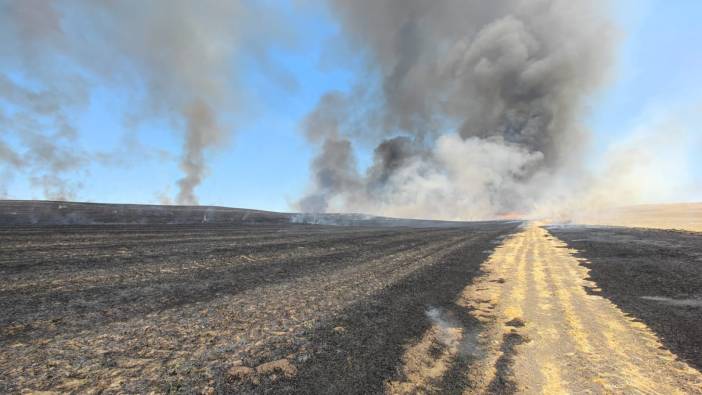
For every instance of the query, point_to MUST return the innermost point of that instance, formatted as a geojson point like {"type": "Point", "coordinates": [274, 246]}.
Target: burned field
{"type": "Point", "coordinates": [216, 300]}
{"type": "Point", "coordinates": [224, 307]}
{"type": "Point", "coordinates": [655, 276]}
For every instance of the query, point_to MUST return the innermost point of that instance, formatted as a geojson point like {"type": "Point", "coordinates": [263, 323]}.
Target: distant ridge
{"type": "Point", "coordinates": [45, 212]}
{"type": "Point", "coordinates": [41, 212]}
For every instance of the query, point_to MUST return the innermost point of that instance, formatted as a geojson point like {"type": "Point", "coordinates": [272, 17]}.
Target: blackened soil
{"type": "Point", "coordinates": [653, 275]}
{"type": "Point", "coordinates": [223, 308]}
{"type": "Point", "coordinates": [358, 350]}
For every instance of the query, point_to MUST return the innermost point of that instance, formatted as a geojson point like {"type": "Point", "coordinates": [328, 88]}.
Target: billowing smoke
{"type": "Point", "coordinates": [177, 59]}
{"type": "Point", "coordinates": [474, 107]}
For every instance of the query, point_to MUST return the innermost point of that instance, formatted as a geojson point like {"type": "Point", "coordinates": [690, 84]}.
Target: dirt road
{"type": "Point", "coordinates": [545, 334]}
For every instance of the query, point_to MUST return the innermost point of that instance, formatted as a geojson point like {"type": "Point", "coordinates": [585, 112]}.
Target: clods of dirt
{"type": "Point", "coordinates": [515, 322]}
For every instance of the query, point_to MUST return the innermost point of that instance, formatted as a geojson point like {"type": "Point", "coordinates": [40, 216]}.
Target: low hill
{"type": "Point", "coordinates": [39, 212]}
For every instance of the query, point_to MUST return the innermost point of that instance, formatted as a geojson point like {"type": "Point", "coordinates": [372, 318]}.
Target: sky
{"type": "Point", "coordinates": [264, 161]}
{"type": "Point", "coordinates": [657, 82]}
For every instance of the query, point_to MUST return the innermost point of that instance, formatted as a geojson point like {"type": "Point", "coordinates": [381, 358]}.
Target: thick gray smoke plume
{"type": "Point", "coordinates": [474, 106]}
{"type": "Point", "coordinates": [177, 58]}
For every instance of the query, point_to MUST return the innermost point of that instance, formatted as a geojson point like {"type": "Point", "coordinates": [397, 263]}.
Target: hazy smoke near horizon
{"type": "Point", "coordinates": [177, 59]}
{"type": "Point", "coordinates": [475, 108]}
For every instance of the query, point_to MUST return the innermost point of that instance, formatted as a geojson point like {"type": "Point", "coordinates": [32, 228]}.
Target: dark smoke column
{"type": "Point", "coordinates": [474, 106]}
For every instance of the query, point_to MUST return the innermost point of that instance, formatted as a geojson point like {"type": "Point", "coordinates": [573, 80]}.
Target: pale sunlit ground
{"type": "Point", "coordinates": [687, 216]}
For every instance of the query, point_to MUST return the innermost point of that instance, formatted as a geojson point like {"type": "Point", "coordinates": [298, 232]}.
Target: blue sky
{"type": "Point", "coordinates": [265, 164]}
{"type": "Point", "coordinates": [657, 79]}
{"type": "Point", "coordinates": [658, 61]}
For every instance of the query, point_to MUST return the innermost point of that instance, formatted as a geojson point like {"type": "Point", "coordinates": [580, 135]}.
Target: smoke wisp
{"type": "Point", "coordinates": [176, 59]}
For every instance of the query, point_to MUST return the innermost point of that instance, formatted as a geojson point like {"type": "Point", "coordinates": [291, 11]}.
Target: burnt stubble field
{"type": "Point", "coordinates": [114, 299]}
{"type": "Point", "coordinates": [224, 308]}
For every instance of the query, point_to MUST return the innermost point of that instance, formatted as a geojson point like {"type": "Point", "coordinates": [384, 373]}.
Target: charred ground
{"type": "Point", "coordinates": [130, 298]}
{"type": "Point", "coordinates": [201, 307]}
